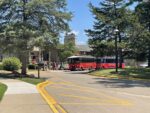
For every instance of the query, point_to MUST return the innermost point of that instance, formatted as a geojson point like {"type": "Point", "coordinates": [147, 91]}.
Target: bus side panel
{"type": "Point", "coordinates": [88, 65]}
{"type": "Point", "coordinates": [74, 66]}
{"type": "Point", "coordinates": [109, 65]}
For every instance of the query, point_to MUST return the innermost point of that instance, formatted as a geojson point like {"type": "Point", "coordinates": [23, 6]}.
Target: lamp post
{"type": "Point", "coordinates": [116, 48]}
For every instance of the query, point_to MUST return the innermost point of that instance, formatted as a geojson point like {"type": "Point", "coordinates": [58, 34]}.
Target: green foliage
{"type": "Point", "coordinates": [11, 64]}
{"type": "Point", "coordinates": [1, 66]}
{"type": "Point", "coordinates": [66, 51]}
{"type": "Point", "coordinates": [108, 16]}
{"type": "Point", "coordinates": [3, 88]}
{"type": "Point", "coordinates": [23, 22]}
{"type": "Point", "coordinates": [133, 26]}
{"type": "Point", "coordinates": [34, 81]}
{"type": "Point", "coordinates": [127, 73]}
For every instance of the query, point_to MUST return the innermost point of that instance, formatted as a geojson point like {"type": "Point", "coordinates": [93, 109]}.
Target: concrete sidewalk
{"type": "Point", "coordinates": [22, 97]}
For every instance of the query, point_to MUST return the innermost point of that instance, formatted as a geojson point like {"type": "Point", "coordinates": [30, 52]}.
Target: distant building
{"type": "Point", "coordinates": [81, 49]}
{"type": "Point", "coordinates": [84, 50]}
{"type": "Point", "coordinates": [70, 37]}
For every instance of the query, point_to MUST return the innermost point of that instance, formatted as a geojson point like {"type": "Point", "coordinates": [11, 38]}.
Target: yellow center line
{"type": "Point", "coordinates": [92, 90]}
{"type": "Point", "coordinates": [85, 104]}
{"type": "Point", "coordinates": [99, 100]}
{"type": "Point", "coordinates": [114, 99]}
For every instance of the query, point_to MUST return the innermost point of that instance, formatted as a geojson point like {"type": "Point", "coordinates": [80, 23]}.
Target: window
{"type": "Point", "coordinates": [73, 60]}
{"type": "Point", "coordinates": [110, 60]}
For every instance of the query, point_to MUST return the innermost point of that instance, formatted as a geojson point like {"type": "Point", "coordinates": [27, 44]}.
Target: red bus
{"type": "Point", "coordinates": [107, 62]}
{"type": "Point", "coordinates": [89, 62]}
{"type": "Point", "coordinates": [81, 62]}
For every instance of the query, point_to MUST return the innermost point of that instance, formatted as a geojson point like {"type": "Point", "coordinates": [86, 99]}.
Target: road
{"type": "Point", "coordinates": [77, 92]}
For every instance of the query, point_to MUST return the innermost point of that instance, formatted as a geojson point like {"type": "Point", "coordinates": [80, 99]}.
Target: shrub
{"type": "Point", "coordinates": [32, 66]}
{"type": "Point", "coordinates": [11, 64]}
{"type": "Point", "coordinates": [1, 66]}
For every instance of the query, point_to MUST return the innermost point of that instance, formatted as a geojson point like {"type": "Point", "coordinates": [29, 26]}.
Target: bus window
{"type": "Point", "coordinates": [73, 60]}
{"type": "Point", "coordinates": [110, 60]}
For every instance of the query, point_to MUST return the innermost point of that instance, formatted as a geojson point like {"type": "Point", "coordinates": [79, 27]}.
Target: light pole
{"type": "Point", "coordinates": [116, 48]}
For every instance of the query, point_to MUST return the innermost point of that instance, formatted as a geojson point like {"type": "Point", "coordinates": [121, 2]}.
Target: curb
{"type": "Point", "coordinates": [55, 107]}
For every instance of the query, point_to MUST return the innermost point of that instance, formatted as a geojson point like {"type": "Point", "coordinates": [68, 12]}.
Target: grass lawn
{"type": "Point", "coordinates": [127, 73]}
{"type": "Point", "coordinates": [3, 88]}
{"type": "Point", "coordinates": [34, 81]}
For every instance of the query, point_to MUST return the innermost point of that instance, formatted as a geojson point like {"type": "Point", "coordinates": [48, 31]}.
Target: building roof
{"type": "Point", "coordinates": [83, 48]}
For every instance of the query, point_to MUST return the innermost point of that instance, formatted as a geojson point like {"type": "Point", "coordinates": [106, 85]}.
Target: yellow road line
{"type": "Point", "coordinates": [93, 104]}
{"type": "Point", "coordinates": [49, 99]}
{"type": "Point", "coordinates": [92, 90]}
{"type": "Point", "coordinates": [117, 102]}
{"type": "Point", "coordinates": [114, 99]}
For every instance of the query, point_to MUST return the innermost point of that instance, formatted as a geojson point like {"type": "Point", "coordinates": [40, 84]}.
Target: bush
{"type": "Point", "coordinates": [32, 66]}
{"type": "Point", "coordinates": [1, 66]}
{"type": "Point", "coordinates": [11, 64]}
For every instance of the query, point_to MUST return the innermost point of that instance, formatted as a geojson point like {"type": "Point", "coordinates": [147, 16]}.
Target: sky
{"type": "Point", "coordinates": [82, 18]}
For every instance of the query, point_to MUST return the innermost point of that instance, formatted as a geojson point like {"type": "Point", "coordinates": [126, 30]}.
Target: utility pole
{"type": "Point", "coordinates": [116, 48]}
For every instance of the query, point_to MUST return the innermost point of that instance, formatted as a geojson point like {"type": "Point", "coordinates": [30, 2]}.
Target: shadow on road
{"type": "Point", "coordinates": [118, 83]}
{"type": "Point", "coordinates": [78, 72]}
{"type": "Point", "coordinates": [7, 76]}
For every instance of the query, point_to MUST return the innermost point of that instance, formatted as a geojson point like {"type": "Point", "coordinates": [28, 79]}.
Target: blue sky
{"type": "Point", "coordinates": [82, 19]}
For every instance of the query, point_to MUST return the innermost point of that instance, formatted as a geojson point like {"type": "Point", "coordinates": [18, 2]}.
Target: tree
{"type": "Point", "coordinates": [110, 15]}
{"type": "Point", "coordinates": [23, 21]}
{"type": "Point", "coordinates": [66, 50]}
{"type": "Point", "coordinates": [142, 11]}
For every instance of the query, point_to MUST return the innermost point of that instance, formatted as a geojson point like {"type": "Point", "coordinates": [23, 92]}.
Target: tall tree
{"type": "Point", "coordinates": [143, 12]}
{"type": "Point", "coordinates": [23, 21]}
{"type": "Point", "coordinates": [66, 50]}
{"type": "Point", "coordinates": [110, 15]}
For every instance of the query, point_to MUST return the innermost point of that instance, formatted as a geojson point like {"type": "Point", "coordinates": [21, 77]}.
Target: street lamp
{"type": "Point", "coordinates": [116, 48]}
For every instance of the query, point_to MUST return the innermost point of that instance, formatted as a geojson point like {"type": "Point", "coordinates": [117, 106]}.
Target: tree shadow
{"type": "Point", "coordinates": [119, 83]}
{"type": "Point", "coordinates": [16, 75]}
{"type": "Point", "coordinates": [79, 72]}
{"type": "Point", "coordinates": [143, 73]}
{"type": "Point", "coordinates": [7, 76]}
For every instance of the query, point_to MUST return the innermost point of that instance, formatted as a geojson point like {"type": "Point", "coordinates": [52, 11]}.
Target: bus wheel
{"type": "Point", "coordinates": [82, 69]}
{"type": "Point", "coordinates": [91, 68]}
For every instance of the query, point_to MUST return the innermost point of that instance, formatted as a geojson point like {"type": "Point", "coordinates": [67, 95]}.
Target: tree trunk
{"type": "Point", "coordinates": [149, 50]}
{"type": "Point", "coordinates": [149, 57]}
{"type": "Point", "coordinates": [24, 63]}
{"type": "Point", "coordinates": [120, 53]}
{"type": "Point", "coordinates": [24, 52]}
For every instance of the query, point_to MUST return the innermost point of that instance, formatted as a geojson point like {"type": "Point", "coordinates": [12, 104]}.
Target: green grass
{"type": "Point", "coordinates": [34, 81]}
{"type": "Point", "coordinates": [3, 88]}
{"type": "Point", "coordinates": [127, 73]}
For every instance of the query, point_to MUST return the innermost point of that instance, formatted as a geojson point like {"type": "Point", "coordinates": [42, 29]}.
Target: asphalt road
{"type": "Point", "coordinates": [78, 92]}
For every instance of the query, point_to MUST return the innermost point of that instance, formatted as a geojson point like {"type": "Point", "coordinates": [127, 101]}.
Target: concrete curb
{"type": "Point", "coordinates": [55, 107]}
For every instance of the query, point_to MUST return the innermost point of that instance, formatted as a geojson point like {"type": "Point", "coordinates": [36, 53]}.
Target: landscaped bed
{"type": "Point", "coordinates": [127, 73]}
{"type": "Point", "coordinates": [3, 88]}
{"type": "Point", "coordinates": [30, 79]}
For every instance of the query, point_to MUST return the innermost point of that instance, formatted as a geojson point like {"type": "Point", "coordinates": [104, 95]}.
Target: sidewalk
{"type": "Point", "coordinates": [22, 97]}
